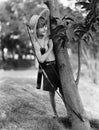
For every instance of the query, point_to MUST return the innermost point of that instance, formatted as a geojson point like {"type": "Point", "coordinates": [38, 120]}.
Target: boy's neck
{"type": "Point", "coordinates": [42, 37]}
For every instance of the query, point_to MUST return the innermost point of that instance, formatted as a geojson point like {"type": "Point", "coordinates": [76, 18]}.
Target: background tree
{"type": "Point", "coordinates": [90, 27]}
{"type": "Point", "coordinates": [14, 15]}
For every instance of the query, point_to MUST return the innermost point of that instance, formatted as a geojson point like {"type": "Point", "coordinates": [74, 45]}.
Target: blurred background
{"type": "Point", "coordinates": [16, 50]}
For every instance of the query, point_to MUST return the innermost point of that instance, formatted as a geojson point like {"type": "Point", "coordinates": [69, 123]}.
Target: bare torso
{"type": "Point", "coordinates": [44, 43]}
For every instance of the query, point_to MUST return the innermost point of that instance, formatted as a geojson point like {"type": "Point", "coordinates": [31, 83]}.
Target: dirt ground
{"type": "Point", "coordinates": [23, 107]}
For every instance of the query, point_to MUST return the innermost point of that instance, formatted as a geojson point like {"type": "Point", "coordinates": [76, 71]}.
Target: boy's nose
{"type": "Point", "coordinates": [45, 27]}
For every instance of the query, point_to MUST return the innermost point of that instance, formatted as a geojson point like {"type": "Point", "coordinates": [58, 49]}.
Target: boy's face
{"type": "Point", "coordinates": [42, 27]}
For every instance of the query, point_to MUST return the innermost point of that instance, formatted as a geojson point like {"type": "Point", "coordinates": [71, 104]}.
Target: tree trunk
{"type": "Point", "coordinates": [2, 52]}
{"type": "Point", "coordinates": [70, 92]}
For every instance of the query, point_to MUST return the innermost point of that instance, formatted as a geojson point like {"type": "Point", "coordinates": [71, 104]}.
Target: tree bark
{"type": "Point", "coordinates": [70, 92]}
{"type": "Point", "coordinates": [2, 51]}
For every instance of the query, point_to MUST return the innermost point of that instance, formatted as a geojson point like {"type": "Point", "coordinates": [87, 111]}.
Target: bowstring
{"type": "Point", "coordinates": [28, 28]}
{"type": "Point", "coordinates": [41, 47]}
{"type": "Point", "coordinates": [76, 113]}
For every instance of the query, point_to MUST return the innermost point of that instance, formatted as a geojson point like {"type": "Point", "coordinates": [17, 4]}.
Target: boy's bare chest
{"type": "Point", "coordinates": [43, 44]}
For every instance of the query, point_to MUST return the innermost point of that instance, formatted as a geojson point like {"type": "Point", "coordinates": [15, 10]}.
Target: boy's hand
{"type": "Point", "coordinates": [50, 44]}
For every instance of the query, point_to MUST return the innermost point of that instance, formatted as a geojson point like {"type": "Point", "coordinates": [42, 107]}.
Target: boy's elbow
{"type": "Point", "coordinates": [41, 60]}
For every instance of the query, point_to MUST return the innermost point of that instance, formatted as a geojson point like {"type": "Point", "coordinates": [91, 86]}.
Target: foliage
{"type": "Point", "coordinates": [59, 35]}
{"type": "Point", "coordinates": [14, 44]}
{"type": "Point", "coordinates": [16, 13]}
{"type": "Point", "coordinates": [13, 16]}
{"type": "Point", "coordinates": [91, 7]}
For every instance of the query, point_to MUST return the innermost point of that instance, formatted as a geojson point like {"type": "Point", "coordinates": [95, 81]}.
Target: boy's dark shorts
{"type": "Point", "coordinates": [53, 82]}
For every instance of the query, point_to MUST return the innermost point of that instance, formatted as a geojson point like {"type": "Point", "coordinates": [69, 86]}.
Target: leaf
{"type": "Point", "coordinates": [90, 35]}
{"type": "Point", "coordinates": [59, 35]}
{"type": "Point", "coordinates": [93, 28]}
{"type": "Point", "coordinates": [97, 19]}
{"type": "Point", "coordinates": [85, 5]}
{"type": "Point", "coordinates": [89, 0]}
{"type": "Point", "coordinates": [67, 18]}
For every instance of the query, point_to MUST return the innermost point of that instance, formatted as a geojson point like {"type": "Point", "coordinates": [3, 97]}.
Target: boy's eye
{"type": "Point", "coordinates": [41, 23]}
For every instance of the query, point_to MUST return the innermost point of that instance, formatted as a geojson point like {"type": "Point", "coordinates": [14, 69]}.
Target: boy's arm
{"type": "Point", "coordinates": [43, 57]}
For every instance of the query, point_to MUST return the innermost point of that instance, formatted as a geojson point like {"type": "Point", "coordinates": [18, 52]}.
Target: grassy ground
{"type": "Point", "coordinates": [23, 107]}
